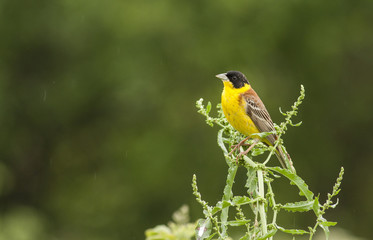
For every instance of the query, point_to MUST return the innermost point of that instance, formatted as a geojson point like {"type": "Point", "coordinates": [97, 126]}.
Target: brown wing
{"type": "Point", "coordinates": [259, 114]}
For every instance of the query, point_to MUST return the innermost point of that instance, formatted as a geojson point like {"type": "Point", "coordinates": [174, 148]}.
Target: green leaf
{"type": "Point", "coordinates": [203, 229]}
{"type": "Point", "coordinates": [208, 108]}
{"type": "Point", "coordinates": [221, 141]}
{"type": "Point", "coordinates": [241, 200]}
{"type": "Point", "coordinates": [326, 231]}
{"type": "Point", "coordinates": [328, 224]}
{"type": "Point", "coordinates": [228, 194]}
{"type": "Point", "coordinates": [223, 204]}
{"type": "Point", "coordinates": [252, 182]}
{"type": "Point", "coordinates": [316, 206]}
{"type": "Point", "coordinates": [215, 210]}
{"type": "Point", "coordinates": [295, 179]}
{"type": "Point", "coordinates": [262, 134]}
{"type": "Point", "coordinates": [324, 227]}
{"type": "Point", "coordinates": [220, 205]}
{"type": "Point", "coordinates": [237, 223]}
{"type": "Point", "coordinates": [268, 235]}
{"type": "Point", "coordinates": [302, 206]}
{"type": "Point", "coordinates": [292, 231]}
{"type": "Point", "coordinates": [211, 236]}
{"type": "Point", "coordinates": [258, 151]}
{"type": "Point", "coordinates": [246, 237]}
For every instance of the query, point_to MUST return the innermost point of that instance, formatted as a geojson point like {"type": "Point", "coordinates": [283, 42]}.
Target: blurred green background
{"type": "Point", "coordinates": [99, 134]}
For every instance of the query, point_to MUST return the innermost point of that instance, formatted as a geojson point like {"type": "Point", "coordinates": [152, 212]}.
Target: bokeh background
{"type": "Point", "coordinates": [99, 134]}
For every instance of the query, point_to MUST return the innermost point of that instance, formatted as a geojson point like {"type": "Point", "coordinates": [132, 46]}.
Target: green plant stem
{"type": "Point", "coordinates": [227, 197]}
{"type": "Point", "coordinates": [273, 202]}
{"type": "Point", "coordinates": [263, 216]}
{"type": "Point", "coordinates": [206, 207]}
{"type": "Point", "coordinates": [327, 204]}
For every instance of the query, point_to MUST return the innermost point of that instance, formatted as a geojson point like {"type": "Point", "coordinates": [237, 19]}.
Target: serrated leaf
{"type": "Point", "coordinates": [241, 200]}
{"type": "Point", "coordinates": [223, 204]}
{"type": "Point", "coordinates": [220, 141]}
{"type": "Point", "coordinates": [292, 231]}
{"type": "Point", "coordinates": [232, 170]}
{"type": "Point", "coordinates": [302, 206]}
{"type": "Point", "coordinates": [296, 180]}
{"type": "Point", "coordinates": [251, 182]}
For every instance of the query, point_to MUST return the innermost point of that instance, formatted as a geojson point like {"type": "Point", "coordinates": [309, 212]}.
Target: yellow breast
{"type": "Point", "coordinates": [234, 109]}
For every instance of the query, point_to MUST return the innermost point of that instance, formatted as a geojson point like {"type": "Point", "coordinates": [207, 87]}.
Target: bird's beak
{"type": "Point", "coordinates": [222, 76]}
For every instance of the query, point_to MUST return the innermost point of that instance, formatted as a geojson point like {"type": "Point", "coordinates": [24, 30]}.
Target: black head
{"type": "Point", "coordinates": [237, 79]}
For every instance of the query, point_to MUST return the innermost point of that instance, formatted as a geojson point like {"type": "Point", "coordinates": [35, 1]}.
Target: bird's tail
{"type": "Point", "coordinates": [284, 159]}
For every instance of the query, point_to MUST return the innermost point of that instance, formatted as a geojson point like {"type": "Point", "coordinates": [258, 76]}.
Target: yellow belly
{"type": "Point", "coordinates": [234, 111]}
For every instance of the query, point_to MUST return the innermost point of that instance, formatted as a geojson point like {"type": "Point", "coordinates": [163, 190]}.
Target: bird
{"type": "Point", "coordinates": [246, 112]}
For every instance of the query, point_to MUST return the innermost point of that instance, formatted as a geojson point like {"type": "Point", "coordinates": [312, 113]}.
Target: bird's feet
{"type": "Point", "coordinates": [237, 146]}
{"type": "Point", "coordinates": [242, 143]}
{"type": "Point", "coordinates": [256, 140]}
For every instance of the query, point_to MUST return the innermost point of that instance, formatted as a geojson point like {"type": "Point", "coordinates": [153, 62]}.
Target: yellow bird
{"type": "Point", "coordinates": [246, 112]}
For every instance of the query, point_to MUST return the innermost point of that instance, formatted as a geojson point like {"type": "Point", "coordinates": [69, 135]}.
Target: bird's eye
{"type": "Point", "coordinates": [234, 78]}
